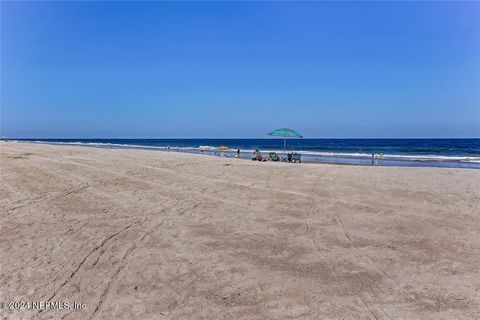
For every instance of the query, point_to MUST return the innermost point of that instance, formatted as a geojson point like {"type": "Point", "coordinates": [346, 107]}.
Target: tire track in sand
{"type": "Point", "coordinates": [123, 263]}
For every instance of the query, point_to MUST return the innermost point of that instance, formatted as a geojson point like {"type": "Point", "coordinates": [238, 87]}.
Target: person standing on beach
{"type": "Point", "coordinates": [238, 153]}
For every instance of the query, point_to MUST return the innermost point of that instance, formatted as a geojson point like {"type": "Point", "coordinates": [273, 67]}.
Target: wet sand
{"type": "Point", "coordinates": [136, 234]}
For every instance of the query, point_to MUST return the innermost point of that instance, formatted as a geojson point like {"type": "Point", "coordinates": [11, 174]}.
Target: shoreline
{"type": "Point", "coordinates": [388, 160]}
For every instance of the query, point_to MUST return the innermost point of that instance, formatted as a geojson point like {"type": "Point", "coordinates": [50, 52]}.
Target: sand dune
{"type": "Point", "coordinates": [137, 234]}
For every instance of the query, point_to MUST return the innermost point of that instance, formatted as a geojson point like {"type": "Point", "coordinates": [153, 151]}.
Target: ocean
{"type": "Point", "coordinates": [456, 153]}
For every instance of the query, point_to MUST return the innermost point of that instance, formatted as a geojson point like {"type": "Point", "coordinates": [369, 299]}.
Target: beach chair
{"type": "Point", "coordinates": [258, 156]}
{"type": "Point", "coordinates": [273, 156]}
{"type": "Point", "coordinates": [255, 154]}
{"type": "Point", "coordinates": [297, 157]}
{"type": "Point", "coordinates": [289, 157]}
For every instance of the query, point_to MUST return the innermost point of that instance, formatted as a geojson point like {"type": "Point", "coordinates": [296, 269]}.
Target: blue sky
{"type": "Point", "coordinates": [240, 69]}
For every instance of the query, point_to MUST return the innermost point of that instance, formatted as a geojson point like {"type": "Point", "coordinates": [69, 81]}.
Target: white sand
{"type": "Point", "coordinates": [139, 234]}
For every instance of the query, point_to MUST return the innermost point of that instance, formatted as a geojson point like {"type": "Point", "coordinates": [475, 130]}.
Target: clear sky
{"type": "Point", "coordinates": [240, 69]}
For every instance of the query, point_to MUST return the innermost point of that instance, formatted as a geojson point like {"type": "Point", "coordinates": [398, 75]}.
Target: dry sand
{"type": "Point", "coordinates": [139, 234]}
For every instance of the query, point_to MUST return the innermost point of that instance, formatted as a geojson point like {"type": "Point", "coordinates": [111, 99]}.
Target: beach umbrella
{"type": "Point", "coordinates": [285, 133]}
{"type": "Point", "coordinates": [223, 149]}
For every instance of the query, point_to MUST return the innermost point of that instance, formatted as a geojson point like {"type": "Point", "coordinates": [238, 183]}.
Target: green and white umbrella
{"type": "Point", "coordinates": [285, 133]}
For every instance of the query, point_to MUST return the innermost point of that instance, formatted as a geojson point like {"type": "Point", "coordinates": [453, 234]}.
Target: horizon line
{"type": "Point", "coordinates": [232, 138]}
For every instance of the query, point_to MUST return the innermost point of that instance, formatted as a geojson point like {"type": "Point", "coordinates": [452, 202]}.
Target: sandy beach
{"type": "Point", "coordinates": [136, 234]}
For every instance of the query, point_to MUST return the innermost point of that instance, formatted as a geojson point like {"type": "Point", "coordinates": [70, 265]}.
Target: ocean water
{"type": "Point", "coordinates": [459, 153]}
